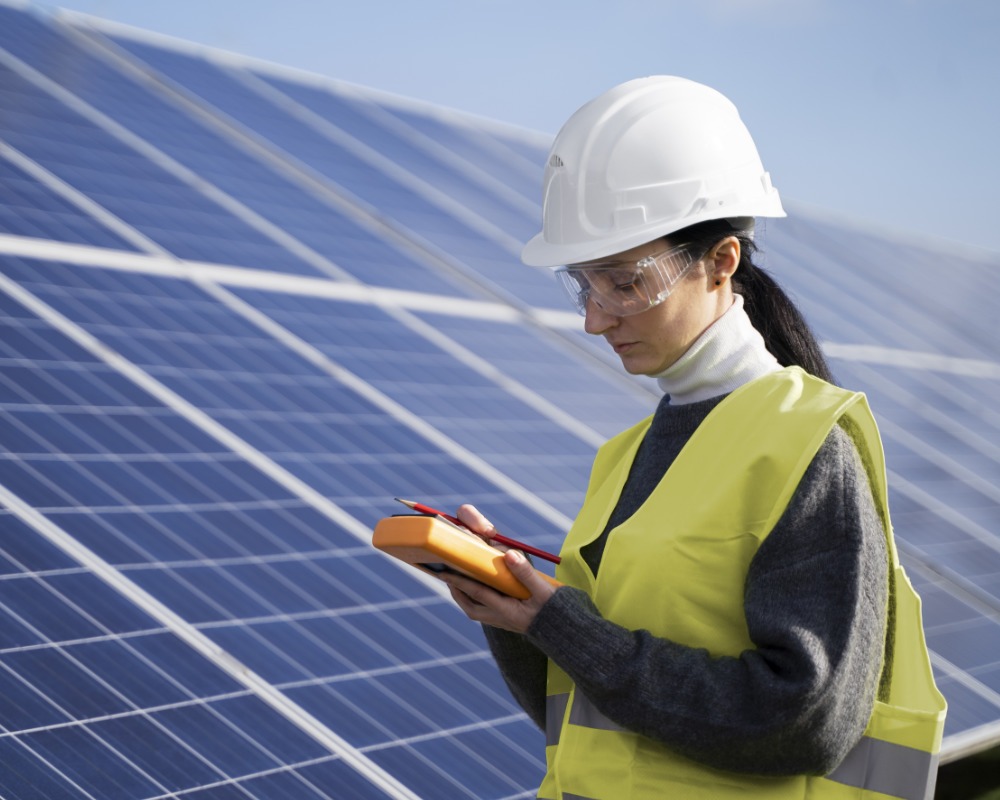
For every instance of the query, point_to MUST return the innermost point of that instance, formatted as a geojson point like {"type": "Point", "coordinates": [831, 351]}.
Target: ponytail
{"type": "Point", "coordinates": [786, 333]}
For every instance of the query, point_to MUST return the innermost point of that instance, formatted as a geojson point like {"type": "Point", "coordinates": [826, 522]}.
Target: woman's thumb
{"type": "Point", "coordinates": [520, 567]}
{"type": "Point", "coordinates": [539, 585]}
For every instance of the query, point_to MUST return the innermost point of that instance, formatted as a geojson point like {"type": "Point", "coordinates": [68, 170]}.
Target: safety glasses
{"type": "Point", "coordinates": [624, 288]}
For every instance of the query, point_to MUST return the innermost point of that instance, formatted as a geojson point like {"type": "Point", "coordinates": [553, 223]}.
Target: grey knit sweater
{"type": "Point", "coordinates": [814, 601]}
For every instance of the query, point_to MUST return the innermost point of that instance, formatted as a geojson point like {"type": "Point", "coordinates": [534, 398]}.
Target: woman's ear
{"type": "Point", "coordinates": [723, 259]}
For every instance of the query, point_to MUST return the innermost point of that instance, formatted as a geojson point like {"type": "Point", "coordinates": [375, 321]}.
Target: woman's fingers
{"type": "Point", "coordinates": [484, 604]}
{"type": "Point", "coordinates": [474, 520]}
{"type": "Point", "coordinates": [477, 523]}
{"type": "Point", "coordinates": [473, 592]}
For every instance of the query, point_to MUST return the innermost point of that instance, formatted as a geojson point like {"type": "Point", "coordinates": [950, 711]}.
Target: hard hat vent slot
{"type": "Point", "coordinates": [555, 161]}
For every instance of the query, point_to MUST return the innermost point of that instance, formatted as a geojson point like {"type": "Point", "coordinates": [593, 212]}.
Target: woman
{"type": "Point", "coordinates": [734, 620]}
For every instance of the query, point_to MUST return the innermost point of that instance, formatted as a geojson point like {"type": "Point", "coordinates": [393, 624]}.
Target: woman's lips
{"type": "Point", "coordinates": [623, 347]}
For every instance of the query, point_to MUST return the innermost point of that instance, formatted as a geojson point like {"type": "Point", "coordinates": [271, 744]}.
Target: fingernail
{"type": "Point", "coordinates": [517, 556]}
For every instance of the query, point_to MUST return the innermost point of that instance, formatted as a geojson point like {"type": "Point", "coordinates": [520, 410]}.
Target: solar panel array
{"type": "Point", "coordinates": [242, 309]}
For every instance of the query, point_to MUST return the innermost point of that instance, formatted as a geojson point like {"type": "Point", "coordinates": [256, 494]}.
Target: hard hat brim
{"type": "Point", "coordinates": [538, 252]}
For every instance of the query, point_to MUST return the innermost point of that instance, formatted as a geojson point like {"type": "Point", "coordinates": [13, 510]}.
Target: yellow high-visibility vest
{"type": "Point", "coordinates": [677, 569]}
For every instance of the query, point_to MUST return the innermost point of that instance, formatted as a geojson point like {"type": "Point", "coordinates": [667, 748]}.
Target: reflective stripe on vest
{"type": "Point", "coordinates": [888, 768]}
{"type": "Point", "coordinates": [583, 713]}
{"type": "Point", "coordinates": [555, 710]}
{"type": "Point", "coordinates": [878, 766]}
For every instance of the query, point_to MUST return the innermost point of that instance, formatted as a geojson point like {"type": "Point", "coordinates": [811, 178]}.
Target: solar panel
{"type": "Point", "coordinates": [241, 309]}
{"type": "Point", "coordinates": [460, 226]}
{"type": "Point", "coordinates": [309, 607]}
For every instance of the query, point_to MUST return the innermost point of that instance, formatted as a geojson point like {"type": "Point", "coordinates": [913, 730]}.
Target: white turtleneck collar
{"type": "Point", "coordinates": [727, 355]}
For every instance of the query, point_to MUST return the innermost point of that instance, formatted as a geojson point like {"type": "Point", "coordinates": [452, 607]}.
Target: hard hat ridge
{"type": "Point", "coordinates": [646, 158]}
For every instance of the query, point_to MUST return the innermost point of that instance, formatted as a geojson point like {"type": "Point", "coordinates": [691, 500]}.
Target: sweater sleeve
{"type": "Point", "coordinates": [523, 667]}
{"type": "Point", "coordinates": [799, 700]}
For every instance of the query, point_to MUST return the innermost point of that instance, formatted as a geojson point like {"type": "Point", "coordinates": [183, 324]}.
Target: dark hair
{"type": "Point", "coordinates": [786, 333]}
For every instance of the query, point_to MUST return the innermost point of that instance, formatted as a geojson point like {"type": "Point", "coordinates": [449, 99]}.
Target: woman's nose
{"type": "Point", "coordinates": [597, 320]}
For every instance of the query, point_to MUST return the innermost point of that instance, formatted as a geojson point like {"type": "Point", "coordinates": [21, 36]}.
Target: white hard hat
{"type": "Point", "coordinates": [645, 159]}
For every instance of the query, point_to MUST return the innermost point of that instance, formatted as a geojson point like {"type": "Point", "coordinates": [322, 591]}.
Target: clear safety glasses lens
{"type": "Point", "coordinates": [622, 288]}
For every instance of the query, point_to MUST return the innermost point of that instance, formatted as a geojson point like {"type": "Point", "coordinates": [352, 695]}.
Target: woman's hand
{"type": "Point", "coordinates": [488, 606]}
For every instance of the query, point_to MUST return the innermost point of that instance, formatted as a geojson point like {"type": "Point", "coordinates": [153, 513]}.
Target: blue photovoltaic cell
{"type": "Point", "coordinates": [102, 701]}
{"type": "Point", "coordinates": [460, 179]}
{"type": "Point", "coordinates": [964, 636]}
{"type": "Point", "coordinates": [942, 459]}
{"type": "Point", "coordinates": [431, 162]}
{"type": "Point", "coordinates": [869, 291]}
{"type": "Point", "coordinates": [306, 420]}
{"type": "Point", "coordinates": [344, 631]}
{"type": "Point", "coordinates": [474, 143]}
{"type": "Point", "coordinates": [27, 208]}
{"type": "Point", "coordinates": [534, 151]}
{"type": "Point", "coordinates": [396, 199]}
{"type": "Point", "coordinates": [465, 405]}
{"type": "Point", "coordinates": [224, 238]}
{"type": "Point", "coordinates": [585, 391]}
{"type": "Point", "coordinates": [139, 192]}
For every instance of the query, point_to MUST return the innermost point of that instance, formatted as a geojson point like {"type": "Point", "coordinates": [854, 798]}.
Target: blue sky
{"type": "Point", "coordinates": [883, 112]}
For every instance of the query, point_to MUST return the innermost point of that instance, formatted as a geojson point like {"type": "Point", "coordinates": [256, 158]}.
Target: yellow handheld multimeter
{"type": "Point", "coordinates": [434, 545]}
